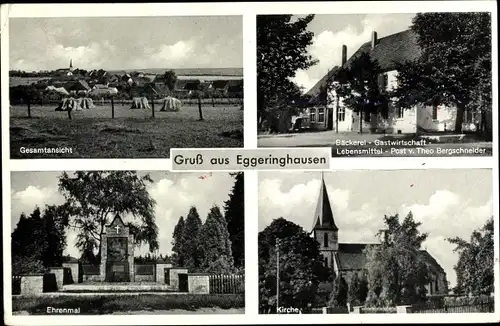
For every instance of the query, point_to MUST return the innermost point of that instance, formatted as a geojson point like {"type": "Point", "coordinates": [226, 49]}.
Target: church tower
{"type": "Point", "coordinates": [71, 65]}
{"type": "Point", "coordinates": [324, 229]}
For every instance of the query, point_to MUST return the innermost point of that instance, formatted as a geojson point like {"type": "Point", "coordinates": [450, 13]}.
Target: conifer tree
{"type": "Point", "coordinates": [178, 242]}
{"type": "Point", "coordinates": [191, 234]}
{"type": "Point", "coordinates": [215, 246]}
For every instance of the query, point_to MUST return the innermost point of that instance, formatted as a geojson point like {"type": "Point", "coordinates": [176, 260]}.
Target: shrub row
{"type": "Point", "coordinates": [100, 304]}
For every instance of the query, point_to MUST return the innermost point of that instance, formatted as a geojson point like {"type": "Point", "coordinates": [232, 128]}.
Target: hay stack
{"type": "Point", "coordinates": [71, 104]}
{"type": "Point", "coordinates": [66, 104]}
{"type": "Point", "coordinates": [170, 104]}
{"type": "Point", "coordinates": [140, 103]}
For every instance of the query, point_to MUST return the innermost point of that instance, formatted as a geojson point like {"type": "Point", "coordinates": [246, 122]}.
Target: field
{"type": "Point", "coordinates": [132, 134]}
{"type": "Point", "coordinates": [126, 304]}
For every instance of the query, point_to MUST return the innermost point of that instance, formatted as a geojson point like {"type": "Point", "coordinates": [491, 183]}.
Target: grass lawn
{"type": "Point", "coordinates": [132, 134]}
{"type": "Point", "coordinates": [101, 304]}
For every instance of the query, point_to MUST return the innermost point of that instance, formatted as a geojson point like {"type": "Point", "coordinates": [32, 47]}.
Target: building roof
{"type": "Point", "coordinates": [395, 48]}
{"type": "Point", "coordinates": [220, 84]}
{"type": "Point", "coordinates": [351, 257]}
{"type": "Point", "coordinates": [323, 216]}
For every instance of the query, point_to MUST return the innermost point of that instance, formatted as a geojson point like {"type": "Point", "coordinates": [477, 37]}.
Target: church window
{"type": "Point", "coordinates": [326, 261]}
{"type": "Point", "coordinates": [434, 112]}
{"type": "Point", "coordinates": [325, 240]}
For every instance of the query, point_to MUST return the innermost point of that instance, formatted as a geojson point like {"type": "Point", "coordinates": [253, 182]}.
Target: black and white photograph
{"type": "Point", "coordinates": [376, 241]}
{"type": "Point", "coordinates": [124, 87]}
{"type": "Point", "coordinates": [127, 242]}
{"type": "Point", "coordinates": [416, 84]}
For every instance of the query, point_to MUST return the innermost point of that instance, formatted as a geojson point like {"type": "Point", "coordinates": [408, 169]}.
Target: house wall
{"type": "Point", "coordinates": [413, 119]}
{"type": "Point", "coordinates": [446, 116]}
{"type": "Point", "coordinates": [199, 283]}
{"type": "Point", "coordinates": [314, 117]}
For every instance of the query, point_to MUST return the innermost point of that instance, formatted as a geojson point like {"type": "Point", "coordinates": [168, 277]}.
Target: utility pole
{"type": "Point", "coordinates": [277, 274]}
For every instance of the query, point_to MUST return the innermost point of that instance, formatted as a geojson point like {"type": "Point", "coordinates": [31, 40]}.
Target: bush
{"type": "Point", "coordinates": [100, 304]}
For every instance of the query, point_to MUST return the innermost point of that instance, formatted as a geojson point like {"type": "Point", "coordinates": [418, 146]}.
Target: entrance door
{"type": "Point", "coordinates": [167, 276]}
{"type": "Point", "coordinates": [183, 283]}
{"type": "Point", "coordinates": [330, 119]}
{"type": "Point", "coordinates": [117, 266]}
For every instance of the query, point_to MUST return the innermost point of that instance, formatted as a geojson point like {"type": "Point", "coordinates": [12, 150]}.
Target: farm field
{"type": "Point", "coordinates": [132, 134]}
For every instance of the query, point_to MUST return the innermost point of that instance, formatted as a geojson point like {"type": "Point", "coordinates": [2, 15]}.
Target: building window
{"type": "Point", "coordinates": [326, 261]}
{"type": "Point", "coordinates": [436, 286]}
{"type": "Point", "coordinates": [340, 113]}
{"type": "Point", "coordinates": [321, 115]}
{"type": "Point", "coordinates": [401, 113]}
{"type": "Point", "coordinates": [325, 240]}
{"type": "Point", "coordinates": [367, 116]}
{"type": "Point", "coordinates": [312, 115]}
{"type": "Point", "coordinates": [434, 112]}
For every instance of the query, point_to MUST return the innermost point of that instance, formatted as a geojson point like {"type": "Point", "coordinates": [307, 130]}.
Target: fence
{"type": "Point", "coordinates": [484, 305]}
{"type": "Point", "coordinates": [227, 283]}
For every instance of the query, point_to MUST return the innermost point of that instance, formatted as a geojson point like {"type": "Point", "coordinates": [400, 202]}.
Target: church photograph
{"type": "Point", "coordinates": [384, 241]}
{"type": "Point", "coordinates": [127, 242]}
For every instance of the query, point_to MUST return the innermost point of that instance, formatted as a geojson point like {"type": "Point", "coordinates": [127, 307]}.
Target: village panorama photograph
{"type": "Point", "coordinates": [416, 84]}
{"type": "Point", "coordinates": [124, 87]}
{"type": "Point", "coordinates": [127, 242]}
{"type": "Point", "coordinates": [336, 243]}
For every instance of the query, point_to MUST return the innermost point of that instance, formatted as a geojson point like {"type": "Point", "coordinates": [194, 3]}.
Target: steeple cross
{"type": "Point", "coordinates": [117, 228]}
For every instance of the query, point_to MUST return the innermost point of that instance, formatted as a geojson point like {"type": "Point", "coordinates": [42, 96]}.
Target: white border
{"type": "Point", "coordinates": [248, 10]}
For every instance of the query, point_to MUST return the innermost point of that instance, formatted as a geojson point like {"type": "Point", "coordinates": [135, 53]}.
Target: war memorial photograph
{"type": "Point", "coordinates": [134, 87]}
{"type": "Point", "coordinates": [336, 243]}
{"type": "Point", "coordinates": [127, 242]}
{"type": "Point", "coordinates": [376, 84]}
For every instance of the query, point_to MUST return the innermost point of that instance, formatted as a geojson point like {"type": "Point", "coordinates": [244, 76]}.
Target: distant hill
{"type": "Point", "coordinates": [188, 71]}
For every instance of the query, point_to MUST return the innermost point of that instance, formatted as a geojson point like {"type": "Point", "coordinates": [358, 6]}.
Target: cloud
{"type": "Point", "coordinates": [445, 214]}
{"type": "Point", "coordinates": [173, 53]}
{"type": "Point", "coordinates": [24, 201]}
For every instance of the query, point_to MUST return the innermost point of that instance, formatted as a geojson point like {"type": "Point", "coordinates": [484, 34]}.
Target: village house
{"type": "Point", "coordinates": [345, 259]}
{"type": "Point", "coordinates": [389, 50]}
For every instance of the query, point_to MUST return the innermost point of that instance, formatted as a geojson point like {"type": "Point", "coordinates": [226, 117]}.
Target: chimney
{"type": "Point", "coordinates": [374, 39]}
{"type": "Point", "coordinates": [344, 54]}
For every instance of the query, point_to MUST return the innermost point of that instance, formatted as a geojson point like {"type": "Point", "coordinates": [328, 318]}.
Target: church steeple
{"type": "Point", "coordinates": [323, 216]}
{"type": "Point", "coordinates": [71, 64]}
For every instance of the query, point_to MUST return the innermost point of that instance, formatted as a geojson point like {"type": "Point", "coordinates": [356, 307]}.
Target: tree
{"type": "Point", "coordinates": [215, 245]}
{"type": "Point", "coordinates": [363, 288]}
{"type": "Point", "coordinates": [94, 197]}
{"type": "Point", "coordinates": [234, 212]}
{"type": "Point", "coordinates": [170, 79]}
{"type": "Point", "coordinates": [474, 268]}
{"type": "Point", "coordinates": [455, 63]}
{"type": "Point", "coordinates": [338, 297]}
{"type": "Point", "coordinates": [354, 292]}
{"type": "Point", "coordinates": [282, 43]}
{"type": "Point", "coordinates": [38, 241]}
{"type": "Point", "coordinates": [178, 242]}
{"type": "Point", "coordinates": [397, 273]}
{"type": "Point", "coordinates": [192, 228]}
{"type": "Point", "coordinates": [300, 265]}
{"type": "Point", "coordinates": [358, 85]}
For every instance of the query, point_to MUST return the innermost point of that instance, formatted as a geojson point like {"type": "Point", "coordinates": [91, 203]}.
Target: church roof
{"type": "Point", "coordinates": [323, 216]}
{"type": "Point", "coordinates": [351, 257]}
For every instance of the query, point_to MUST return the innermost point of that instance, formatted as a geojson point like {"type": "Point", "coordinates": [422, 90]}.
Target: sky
{"type": "Point", "coordinates": [114, 43]}
{"type": "Point", "coordinates": [333, 31]}
{"type": "Point", "coordinates": [174, 193]}
{"type": "Point", "coordinates": [449, 203]}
